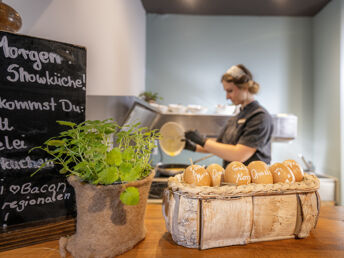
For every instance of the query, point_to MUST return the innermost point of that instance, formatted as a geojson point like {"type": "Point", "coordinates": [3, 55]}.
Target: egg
{"type": "Point", "coordinates": [197, 175]}
{"type": "Point", "coordinates": [237, 173]}
{"type": "Point", "coordinates": [260, 173]}
{"type": "Point", "coordinates": [295, 168]}
{"type": "Point", "coordinates": [215, 172]}
{"type": "Point", "coordinates": [281, 173]}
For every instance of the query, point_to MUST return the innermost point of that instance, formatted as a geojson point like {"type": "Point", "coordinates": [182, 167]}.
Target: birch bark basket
{"type": "Point", "coordinates": [207, 217]}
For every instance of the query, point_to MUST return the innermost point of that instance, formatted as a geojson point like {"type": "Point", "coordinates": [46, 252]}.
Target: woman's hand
{"type": "Point", "coordinates": [189, 145]}
{"type": "Point", "coordinates": [196, 137]}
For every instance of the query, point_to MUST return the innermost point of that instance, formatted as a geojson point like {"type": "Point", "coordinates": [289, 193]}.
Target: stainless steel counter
{"type": "Point", "coordinates": [122, 110]}
{"type": "Point", "coordinates": [209, 125]}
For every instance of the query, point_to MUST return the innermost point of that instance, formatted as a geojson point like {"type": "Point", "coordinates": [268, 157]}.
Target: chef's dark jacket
{"type": "Point", "coordinates": [252, 127]}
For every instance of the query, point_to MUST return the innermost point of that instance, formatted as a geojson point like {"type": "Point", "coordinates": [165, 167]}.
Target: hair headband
{"type": "Point", "coordinates": [235, 72]}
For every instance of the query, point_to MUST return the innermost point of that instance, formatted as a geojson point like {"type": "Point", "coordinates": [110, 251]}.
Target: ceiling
{"type": "Point", "coordinates": [236, 7]}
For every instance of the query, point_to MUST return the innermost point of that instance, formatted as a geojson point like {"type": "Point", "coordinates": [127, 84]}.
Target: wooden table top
{"type": "Point", "coordinates": [327, 240]}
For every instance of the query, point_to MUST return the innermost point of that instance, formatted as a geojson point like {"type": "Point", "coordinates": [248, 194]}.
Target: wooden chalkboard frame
{"type": "Point", "coordinates": [41, 81]}
{"type": "Point", "coordinates": [37, 232]}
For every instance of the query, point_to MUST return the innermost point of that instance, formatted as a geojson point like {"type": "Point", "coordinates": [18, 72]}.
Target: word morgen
{"type": "Point", "coordinates": [36, 57]}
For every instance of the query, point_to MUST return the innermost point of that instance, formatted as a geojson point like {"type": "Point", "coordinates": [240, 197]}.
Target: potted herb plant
{"type": "Point", "coordinates": [150, 97]}
{"type": "Point", "coordinates": [109, 168]}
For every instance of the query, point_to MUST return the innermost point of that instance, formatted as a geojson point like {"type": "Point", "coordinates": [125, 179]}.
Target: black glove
{"type": "Point", "coordinates": [189, 145]}
{"type": "Point", "coordinates": [195, 137]}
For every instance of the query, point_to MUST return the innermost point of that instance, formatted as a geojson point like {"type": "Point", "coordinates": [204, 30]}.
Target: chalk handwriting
{"type": "Point", "coordinates": [56, 192]}
{"type": "Point", "coordinates": [18, 73]}
{"type": "Point", "coordinates": [8, 144]}
{"type": "Point", "coordinates": [27, 162]}
{"type": "Point", "coordinates": [67, 106]}
{"type": "Point", "coordinates": [36, 57]}
{"type": "Point", "coordinates": [28, 189]}
{"type": "Point", "coordinates": [27, 105]}
{"type": "Point", "coordinates": [4, 124]}
{"type": "Point", "coordinates": [19, 206]}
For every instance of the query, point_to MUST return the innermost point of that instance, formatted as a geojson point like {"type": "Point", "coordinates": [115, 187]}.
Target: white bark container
{"type": "Point", "coordinates": [208, 217]}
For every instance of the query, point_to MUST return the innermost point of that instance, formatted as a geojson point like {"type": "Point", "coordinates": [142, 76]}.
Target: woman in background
{"type": "Point", "coordinates": [247, 135]}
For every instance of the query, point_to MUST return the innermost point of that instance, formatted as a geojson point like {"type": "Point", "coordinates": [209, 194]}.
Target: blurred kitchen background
{"type": "Point", "coordinates": [180, 49]}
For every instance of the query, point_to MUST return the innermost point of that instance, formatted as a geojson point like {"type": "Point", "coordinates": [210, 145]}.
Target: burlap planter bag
{"type": "Point", "coordinates": [105, 227]}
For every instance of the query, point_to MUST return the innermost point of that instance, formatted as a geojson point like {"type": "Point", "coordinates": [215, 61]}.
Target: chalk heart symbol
{"type": "Point", "coordinates": [14, 188]}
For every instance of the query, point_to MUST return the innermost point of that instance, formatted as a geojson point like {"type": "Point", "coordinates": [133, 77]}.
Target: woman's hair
{"type": "Point", "coordinates": [243, 80]}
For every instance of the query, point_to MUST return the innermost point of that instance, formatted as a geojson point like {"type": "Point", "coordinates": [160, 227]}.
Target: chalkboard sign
{"type": "Point", "coordinates": [41, 81]}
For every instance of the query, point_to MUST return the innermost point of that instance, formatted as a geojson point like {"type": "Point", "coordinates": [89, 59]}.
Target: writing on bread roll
{"type": "Point", "coordinates": [196, 175]}
{"type": "Point", "coordinates": [281, 173]}
{"type": "Point", "coordinates": [295, 168]}
{"type": "Point", "coordinates": [260, 173]}
{"type": "Point", "coordinates": [237, 173]}
{"type": "Point", "coordinates": [215, 172]}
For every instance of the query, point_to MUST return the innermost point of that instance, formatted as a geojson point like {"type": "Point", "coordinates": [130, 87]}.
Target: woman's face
{"type": "Point", "coordinates": [236, 95]}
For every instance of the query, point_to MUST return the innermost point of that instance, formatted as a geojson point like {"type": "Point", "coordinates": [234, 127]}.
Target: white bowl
{"type": "Point", "coordinates": [156, 105]}
{"type": "Point", "coordinates": [161, 108]}
{"type": "Point", "coordinates": [176, 108]}
{"type": "Point", "coordinates": [196, 109]}
{"type": "Point", "coordinates": [225, 109]}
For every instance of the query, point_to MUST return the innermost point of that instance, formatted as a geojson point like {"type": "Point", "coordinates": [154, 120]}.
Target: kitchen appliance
{"type": "Point", "coordinates": [160, 182]}
{"type": "Point", "coordinates": [285, 127]}
{"type": "Point", "coordinates": [329, 190]}
{"type": "Point", "coordinates": [170, 169]}
{"type": "Point", "coordinates": [174, 169]}
{"type": "Point", "coordinates": [140, 113]}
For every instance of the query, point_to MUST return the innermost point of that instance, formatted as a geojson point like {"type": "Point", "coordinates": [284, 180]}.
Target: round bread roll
{"type": "Point", "coordinates": [260, 173]}
{"type": "Point", "coordinates": [237, 173]}
{"type": "Point", "coordinates": [196, 175]}
{"type": "Point", "coordinates": [281, 173]}
{"type": "Point", "coordinates": [295, 168]}
{"type": "Point", "coordinates": [215, 172]}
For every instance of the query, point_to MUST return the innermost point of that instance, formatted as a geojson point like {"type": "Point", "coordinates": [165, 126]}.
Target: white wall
{"type": "Point", "coordinates": [113, 32]}
{"type": "Point", "coordinates": [327, 33]}
{"type": "Point", "coordinates": [342, 100]}
{"type": "Point", "coordinates": [186, 56]}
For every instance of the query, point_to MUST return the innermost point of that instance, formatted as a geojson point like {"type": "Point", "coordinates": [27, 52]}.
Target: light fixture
{"type": "Point", "coordinates": [10, 19]}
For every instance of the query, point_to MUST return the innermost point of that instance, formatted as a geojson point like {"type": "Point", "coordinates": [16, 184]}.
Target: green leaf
{"type": "Point", "coordinates": [71, 124]}
{"type": "Point", "coordinates": [125, 167]}
{"type": "Point", "coordinates": [57, 150]}
{"type": "Point", "coordinates": [99, 167]}
{"type": "Point", "coordinates": [55, 143]}
{"type": "Point", "coordinates": [128, 154]}
{"type": "Point", "coordinates": [109, 130]}
{"type": "Point", "coordinates": [63, 171]}
{"type": "Point", "coordinates": [130, 196]}
{"type": "Point", "coordinates": [129, 173]}
{"type": "Point", "coordinates": [81, 166]}
{"type": "Point", "coordinates": [75, 141]}
{"type": "Point", "coordinates": [108, 176]}
{"type": "Point", "coordinates": [114, 157]}
{"type": "Point", "coordinates": [40, 167]}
